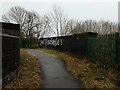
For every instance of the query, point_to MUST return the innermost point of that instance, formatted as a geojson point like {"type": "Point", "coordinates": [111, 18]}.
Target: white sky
{"type": "Point", "coordinates": [82, 10]}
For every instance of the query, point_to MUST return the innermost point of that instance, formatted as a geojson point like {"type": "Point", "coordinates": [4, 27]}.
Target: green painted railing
{"type": "Point", "coordinates": [104, 50]}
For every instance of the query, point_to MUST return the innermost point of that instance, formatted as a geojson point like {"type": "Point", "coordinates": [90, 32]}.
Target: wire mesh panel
{"type": "Point", "coordinates": [103, 50]}
{"type": "Point", "coordinates": [75, 44]}
{"type": "Point", "coordinates": [118, 51]}
{"type": "Point", "coordinates": [10, 52]}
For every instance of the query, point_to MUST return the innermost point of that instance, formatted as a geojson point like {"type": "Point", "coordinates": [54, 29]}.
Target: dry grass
{"type": "Point", "coordinates": [89, 73]}
{"type": "Point", "coordinates": [29, 73]}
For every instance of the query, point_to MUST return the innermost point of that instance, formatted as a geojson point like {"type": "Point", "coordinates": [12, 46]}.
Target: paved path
{"type": "Point", "coordinates": [54, 72]}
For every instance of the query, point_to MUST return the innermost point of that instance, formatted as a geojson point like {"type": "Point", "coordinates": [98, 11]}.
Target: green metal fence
{"type": "Point", "coordinates": [104, 50]}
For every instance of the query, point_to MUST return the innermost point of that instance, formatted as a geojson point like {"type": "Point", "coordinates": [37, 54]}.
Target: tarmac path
{"type": "Point", "coordinates": [54, 72]}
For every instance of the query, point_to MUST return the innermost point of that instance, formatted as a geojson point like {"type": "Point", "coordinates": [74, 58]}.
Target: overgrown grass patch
{"type": "Point", "coordinates": [89, 73]}
{"type": "Point", "coordinates": [29, 73]}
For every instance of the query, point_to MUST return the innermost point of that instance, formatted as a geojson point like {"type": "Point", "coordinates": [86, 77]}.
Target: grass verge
{"type": "Point", "coordinates": [89, 73]}
{"type": "Point", "coordinates": [29, 73]}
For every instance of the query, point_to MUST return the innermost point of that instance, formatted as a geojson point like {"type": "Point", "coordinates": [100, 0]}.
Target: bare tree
{"type": "Point", "coordinates": [79, 27]}
{"type": "Point", "coordinates": [43, 27]}
{"type": "Point", "coordinates": [58, 20]}
{"type": "Point", "coordinates": [5, 19]}
{"type": "Point", "coordinates": [26, 19]}
{"type": "Point", "coordinates": [29, 30]}
{"type": "Point", "coordinates": [16, 15]}
{"type": "Point", "coordinates": [101, 27]}
{"type": "Point", "coordinates": [107, 27]}
{"type": "Point", "coordinates": [68, 28]}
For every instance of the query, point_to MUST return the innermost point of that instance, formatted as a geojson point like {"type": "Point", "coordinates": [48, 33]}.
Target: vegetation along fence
{"type": "Point", "coordinates": [10, 52]}
{"type": "Point", "coordinates": [101, 49]}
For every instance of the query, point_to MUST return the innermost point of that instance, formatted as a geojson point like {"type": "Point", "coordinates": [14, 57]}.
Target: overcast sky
{"type": "Point", "coordinates": [74, 10]}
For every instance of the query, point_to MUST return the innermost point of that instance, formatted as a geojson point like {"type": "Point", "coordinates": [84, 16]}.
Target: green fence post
{"type": "Point", "coordinates": [86, 41]}
{"type": "Point", "coordinates": [116, 44]}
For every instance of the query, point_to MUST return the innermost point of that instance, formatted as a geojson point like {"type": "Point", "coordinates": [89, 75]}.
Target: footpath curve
{"type": "Point", "coordinates": [54, 72]}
